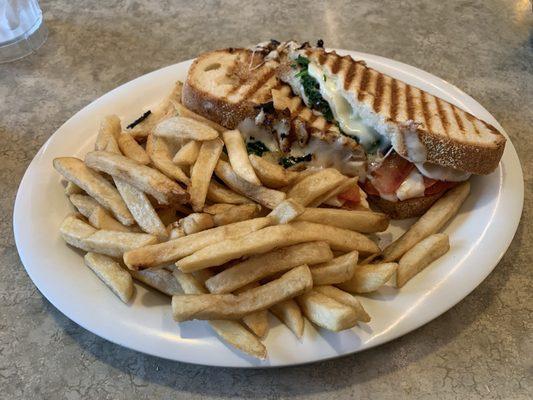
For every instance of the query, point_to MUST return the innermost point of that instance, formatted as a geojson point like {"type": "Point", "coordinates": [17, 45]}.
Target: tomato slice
{"type": "Point", "coordinates": [428, 182]}
{"type": "Point", "coordinates": [369, 188]}
{"type": "Point", "coordinates": [388, 177]}
{"type": "Point", "coordinates": [438, 187]}
{"type": "Point", "coordinates": [352, 195]}
{"type": "Point", "coordinates": [391, 173]}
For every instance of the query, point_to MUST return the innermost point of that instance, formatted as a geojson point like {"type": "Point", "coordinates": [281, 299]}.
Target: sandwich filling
{"type": "Point", "coordinates": [389, 175]}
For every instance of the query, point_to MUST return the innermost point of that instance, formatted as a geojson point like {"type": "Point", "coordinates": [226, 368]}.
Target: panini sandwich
{"type": "Point", "coordinates": [307, 107]}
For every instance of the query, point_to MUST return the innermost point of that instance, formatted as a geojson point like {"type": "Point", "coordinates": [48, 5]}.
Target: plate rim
{"type": "Point", "coordinates": [442, 85]}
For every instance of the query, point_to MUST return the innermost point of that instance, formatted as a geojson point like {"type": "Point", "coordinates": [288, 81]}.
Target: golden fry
{"type": "Point", "coordinates": [420, 256]}
{"type": "Point", "coordinates": [429, 223]}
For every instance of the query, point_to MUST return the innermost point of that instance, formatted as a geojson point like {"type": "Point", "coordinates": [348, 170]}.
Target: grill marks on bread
{"type": "Point", "coordinates": [399, 102]}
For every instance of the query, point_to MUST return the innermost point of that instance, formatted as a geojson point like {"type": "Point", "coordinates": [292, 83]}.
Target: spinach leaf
{"type": "Point", "coordinates": [257, 148]}
{"type": "Point", "coordinates": [289, 161]}
{"type": "Point", "coordinates": [312, 89]}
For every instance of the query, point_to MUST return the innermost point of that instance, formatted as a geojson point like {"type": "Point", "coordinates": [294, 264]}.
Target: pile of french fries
{"type": "Point", "coordinates": [176, 203]}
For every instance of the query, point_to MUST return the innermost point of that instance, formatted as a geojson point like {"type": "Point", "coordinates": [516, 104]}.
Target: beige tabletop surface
{"type": "Point", "coordinates": [482, 348]}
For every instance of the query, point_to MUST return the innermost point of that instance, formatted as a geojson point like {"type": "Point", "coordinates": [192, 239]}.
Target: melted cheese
{"type": "Point", "coordinates": [440, 173]}
{"type": "Point", "coordinates": [416, 151]}
{"type": "Point", "coordinates": [251, 133]}
{"type": "Point", "coordinates": [349, 122]}
{"type": "Point", "coordinates": [325, 154]}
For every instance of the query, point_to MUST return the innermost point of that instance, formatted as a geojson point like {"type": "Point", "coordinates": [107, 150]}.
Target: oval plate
{"type": "Point", "coordinates": [479, 235]}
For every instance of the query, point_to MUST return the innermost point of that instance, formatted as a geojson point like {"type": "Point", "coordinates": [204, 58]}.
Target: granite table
{"type": "Point", "coordinates": [481, 348]}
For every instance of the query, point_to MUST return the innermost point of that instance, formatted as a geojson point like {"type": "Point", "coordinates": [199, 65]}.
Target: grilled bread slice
{"type": "Point", "coordinates": [420, 126]}
{"type": "Point", "coordinates": [226, 85]}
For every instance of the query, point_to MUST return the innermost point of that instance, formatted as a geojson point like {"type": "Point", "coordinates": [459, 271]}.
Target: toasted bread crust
{"type": "Point", "coordinates": [246, 79]}
{"type": "Point", "coordinates": [229, 115]}
{"type": "Point", "coordinates": [475, 159]}
{"type": "Point", "coordinates": [407, 208]}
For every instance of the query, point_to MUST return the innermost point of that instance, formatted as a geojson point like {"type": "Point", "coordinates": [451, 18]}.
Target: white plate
{"type": "Point", "coordinates": [479, 235]}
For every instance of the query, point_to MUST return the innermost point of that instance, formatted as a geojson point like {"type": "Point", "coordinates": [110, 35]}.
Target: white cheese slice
{"type": "Point", "coordinates": [413, 186]}
{"type": "Point", "coordinates": [350, 123]}
{"type": "Point", "coordinates": [440, 173]}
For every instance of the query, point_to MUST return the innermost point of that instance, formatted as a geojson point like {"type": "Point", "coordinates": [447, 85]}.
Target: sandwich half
{"type": "Point", "coordinates": [417, 144]}
{"type": "Point", "coordinates": [240, 89]}
{"type": "Point", "coordinates": [304, 107]}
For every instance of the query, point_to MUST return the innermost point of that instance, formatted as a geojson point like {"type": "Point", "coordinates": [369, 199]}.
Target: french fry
{"type": "Point", "coordinates": [220, 194]}
{"type": "Point", "coordinates": [290, 314]}
{"type": "Point", "coordinates": [359, 221]}
{"type": "Point", "coordinates": [142, 210]}
{"type": "Point", "coordinates": [262, 265]}
{"type": "Point", "coordinates": [271, 175]}
{"type": "Point", "coordinates": [333, 193]}
{"type": "Point", "coordinates": [230, 331]}
{"type": "Point", "coordinates": [96, 214]}
{"type": "Point", "coordinates": [202, 171]}
{"type": "Point", "coordinates": [429, 223]}
{"type": "Point", "coordinates": [185, 112]}
{"type": "Point", "coordinates": [95, 185]}
{"type": "Point", "coordinates": [175, 232]}
{"type": "Point", "coordinates": [74, 230]}
{"type": "Point", "coordinates": [268, 198]}
{"type": "Point", "coordinates": [220, 208]}
{"type": "Point", "coordinates": [189, 283]}
{"type": "Point", "coordinates": [239, 337]}
{"type": "Point", "coordinates": [196, 222]}
{"type": "Point", "coordinates": [112, 146]}
{"type": "Point", "coordinates": [345, 298]}
{"type": "Point", "coordinates": [299, 176]}
{"type": "Point", "coordinates": [271, 237]}
{"type": "Point", "coordinates": [369, 277]}
{"type": "Point", "coordinates": [236, 214]}
{"type": "Point", "coordinates": [109, 128]}
{"type": "Point", "coordinates": [112, 274]}
{"type": "Point", "coordinates": [163, 110]}
{"type": "Point", "coordinates": [72, 188]}
{"type": "Point", "coordinates": [144, 178]}
{"type": "Point", "coordinates": [420, 256]}
{"type": "Point", "coordinates": [100, 219]}
{"type": "Point", "coordinates": [286, 211]}
{"type": "Point", "coordinates": [84, 204]}
{"type": "Point", "coordinates": [338, 270]}
{"type": "Point", "coordinates": [187, 154]}
{"type": "Point", "coordinates": [131, 149]}
{"type": "Point", "coordinates": [334, 202]}
{"type": "Point", "coordinates": [315, 185]}
{"type": "Point", "coordinates": [229, 306]}
{"type": "Point", "coordinates": [112, 243]}
{"type": "Point", "coordinates": [159, 153]}
{"type": "Point", "coordinates": [257, 321]}
{"type": "Point", "coordinates": [169, 252]}
{"type": "Point", "coordinates": [159, 279]}
{"type": "Point", "coordinates": [326, 312]}
{"type": "Point", "coordinates": [184, 129]}
{"type": "Point", "coordinates": [339, 239]}
{"type": "Point", "coordinates": [238, 156]}
{"type": "Point", "coordinates": [136, 201]}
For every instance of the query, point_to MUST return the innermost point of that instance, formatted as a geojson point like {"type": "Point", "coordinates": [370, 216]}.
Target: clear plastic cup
{"type": "Point", "coordinates": [22, 30]}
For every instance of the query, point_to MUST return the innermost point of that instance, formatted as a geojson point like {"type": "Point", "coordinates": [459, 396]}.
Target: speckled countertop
{"type": "Point", "coordinates": [481, 348]}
